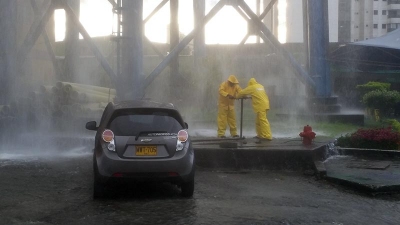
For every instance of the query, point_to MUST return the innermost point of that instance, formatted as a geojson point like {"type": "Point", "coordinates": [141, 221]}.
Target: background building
{"type": "Point", "coordinates": [294, 21]}
{"type": "Point", "coordinates": [364, 19]}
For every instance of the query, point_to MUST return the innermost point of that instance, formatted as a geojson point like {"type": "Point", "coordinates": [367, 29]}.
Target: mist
{"type": "Point", "coordinates": [51, 91]}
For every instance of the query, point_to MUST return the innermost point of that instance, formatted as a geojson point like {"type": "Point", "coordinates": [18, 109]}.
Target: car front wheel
{"type": "Point", "coordinates": [187, 189]}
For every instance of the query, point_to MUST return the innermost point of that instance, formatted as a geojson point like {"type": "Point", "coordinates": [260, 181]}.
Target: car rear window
{"type": "Point", "coordinates": [131, 123]}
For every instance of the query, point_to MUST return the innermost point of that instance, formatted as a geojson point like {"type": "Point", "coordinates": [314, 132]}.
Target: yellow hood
{"type": "Point", "coordinates": [233, 79]}
{"type": "Point", "coordinates": [252, 81]}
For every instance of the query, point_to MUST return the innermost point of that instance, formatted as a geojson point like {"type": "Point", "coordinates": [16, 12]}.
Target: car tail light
{"type": "Point", "coordinates": [181, 140]}
{"type": "Point", "coordinates": [107, 136]}
{"type": "Point", "coordinates": [183, 135]}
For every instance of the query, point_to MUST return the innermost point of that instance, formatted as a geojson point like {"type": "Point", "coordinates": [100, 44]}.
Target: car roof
{"type": "Point", "coordinates": [135, 104]}
{"type": "Point", "coordinates": [132, 104]}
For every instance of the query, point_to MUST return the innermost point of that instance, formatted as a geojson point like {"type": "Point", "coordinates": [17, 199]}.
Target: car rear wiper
{"type": "Point", "coordinates": [147, 132]}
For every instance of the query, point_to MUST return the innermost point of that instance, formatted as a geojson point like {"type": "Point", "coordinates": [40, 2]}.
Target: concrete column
{"type": "Point", "coordinates": [199, 46]}
{"type": "Point", "coordinates": [258, 7]}
{"type": "Point", "coordinates": [318, 44]}
{"type": "Point", "coordinates": [131, 82]}
{"type": "Point", "coordinates": [305, 33]}
{"type": "Point", "coordinates": [8, 37]}
{"type": "Point", "coordinates": [72, 62]}
{"type": "Point", "coordinates": [174, 41]}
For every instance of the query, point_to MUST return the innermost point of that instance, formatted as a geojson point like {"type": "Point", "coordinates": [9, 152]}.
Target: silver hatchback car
{"type": "Point", "coordinates": [142, 141]}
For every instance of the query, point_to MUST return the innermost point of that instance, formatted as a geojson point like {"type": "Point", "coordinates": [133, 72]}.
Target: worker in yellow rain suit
{"type": "Point", "coordinates": [226, 108]}
{"type": "Point", "coordinates": [260, 104]}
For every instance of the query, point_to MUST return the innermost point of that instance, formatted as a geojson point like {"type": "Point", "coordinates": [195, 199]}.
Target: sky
{"type": "Point", "coordinates": [219, 30]}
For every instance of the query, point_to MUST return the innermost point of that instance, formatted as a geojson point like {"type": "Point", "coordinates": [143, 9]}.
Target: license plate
{"type": "Point", "coordinates": [146, 150]}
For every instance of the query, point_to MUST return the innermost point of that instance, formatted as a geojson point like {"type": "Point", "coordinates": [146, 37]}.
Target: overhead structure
{"type": "Point", "coordinates": [8, 62]}
{"type": "Point", "coordinates": [129, 78]}
{"type": "Point", "coordinates": [318, 45]}
{"type": "Point", "coordinates": [318, 40]}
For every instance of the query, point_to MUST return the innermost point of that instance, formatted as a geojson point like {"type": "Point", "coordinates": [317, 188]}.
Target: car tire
{"type": "Point", "coordinates": [187, 189]}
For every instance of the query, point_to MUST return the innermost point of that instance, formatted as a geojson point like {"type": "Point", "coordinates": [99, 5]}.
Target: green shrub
{"type": "Point", "coordinates": [372, 86]}
{"type": "Point", "coordinates": [394, 124]}
{"type": "Point", "coordinates": [344, 141]}
{"type": "Point", "coordinates": [384, 100]}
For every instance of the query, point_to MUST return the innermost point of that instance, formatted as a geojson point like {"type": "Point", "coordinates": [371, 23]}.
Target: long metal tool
{"type": "Point", "coordinates": [241, 117]}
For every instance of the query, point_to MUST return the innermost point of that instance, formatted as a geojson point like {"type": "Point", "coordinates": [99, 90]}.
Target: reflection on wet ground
{"type": "Point", "coordinates": [49, 181]}
{"type": "Point", "coordinates": [58, 190]}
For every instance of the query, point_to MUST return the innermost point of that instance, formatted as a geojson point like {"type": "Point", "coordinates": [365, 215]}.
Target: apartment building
{"type": "Point", "coordinates": [288, 14]}
{"type": "Point", "coordinates": [364, 19]}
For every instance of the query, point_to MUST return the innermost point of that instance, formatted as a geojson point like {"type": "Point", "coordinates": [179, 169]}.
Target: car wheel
{"type": "Point", "coordinates": [187, 189]}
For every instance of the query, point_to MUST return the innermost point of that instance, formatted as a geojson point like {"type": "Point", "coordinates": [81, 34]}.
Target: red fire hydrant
{"type": "Point", "coordinates": [308, 135]}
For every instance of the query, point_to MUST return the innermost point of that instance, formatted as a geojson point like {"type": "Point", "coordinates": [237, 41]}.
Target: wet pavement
{"type": "Point", "coordinates": [370, 175]}
{"type": "Point", "coordinates": [364, 170]}
{"type": "Point", "coordinates": [57, 189]}
{"type": "Point", "coordinates": [238, 181]}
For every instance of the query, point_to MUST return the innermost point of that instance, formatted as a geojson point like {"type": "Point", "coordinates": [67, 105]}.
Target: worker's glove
{"type": "Point", "coordinates": [230, 96]}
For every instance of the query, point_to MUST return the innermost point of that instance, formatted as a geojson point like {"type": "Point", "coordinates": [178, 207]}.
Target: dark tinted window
{"type": "Point", "coordinates": [131, 123]}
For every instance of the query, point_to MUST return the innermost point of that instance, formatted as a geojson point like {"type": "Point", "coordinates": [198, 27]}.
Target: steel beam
{"type": "Point", "coordinates": [185, 41]}
{"type": "Point", "coordinates": [267, 9]}
{"type": "Point", "coordinates": [47, 43]}
{"type": "Point", "coordinates": [158, 52]}
{"type": "Point", "coordinates": [267, 36]}
{"type": "Point", "coordinates": [199, 45]}
{"type": "Point", "coordinates": [263, 14]}
{"type": "Point", "coordinates": [34, 32]}
{"type": "Point", "coordinates": [102, 60]}
{"type": "Point", "coordinates": [173, 42]}
{"type": "Point", "coordinates": [156, 9]}
{"type": "Point", "coordinates": [113, 3]}
{"type": "Point", "coordinates": [8, 46]}
{"type": "Point", "coordinates": [71, 42]}
{"type": "Point", "coordinates": [318, 45]}
{"type": "Point", "coordinates": [131, 84]}
{"type": "Point", "coordinates": [306, 39]}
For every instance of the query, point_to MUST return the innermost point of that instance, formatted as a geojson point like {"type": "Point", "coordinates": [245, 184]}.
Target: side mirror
{"type": "Point", "coordinates": [187, 126]}
{"type": "Point", "coordinates": [91, 125]}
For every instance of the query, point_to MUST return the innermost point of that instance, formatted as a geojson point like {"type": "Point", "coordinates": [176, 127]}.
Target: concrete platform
{"type": "Point", "coordinates": [367, 170]}
{"type": "Point", "coordinates": [372, 171]}
{"type": "Point", "coordinates": [239, 154]}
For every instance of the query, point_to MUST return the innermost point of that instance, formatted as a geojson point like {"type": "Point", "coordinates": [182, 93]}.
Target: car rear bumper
{"type": "Point", "coordinates": [179, 168]}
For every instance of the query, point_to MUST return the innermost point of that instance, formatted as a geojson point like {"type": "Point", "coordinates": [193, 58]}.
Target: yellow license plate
{"type": "Point", "coordinates": [146, 150]}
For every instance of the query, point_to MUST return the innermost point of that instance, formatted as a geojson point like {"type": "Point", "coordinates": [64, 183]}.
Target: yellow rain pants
{"type": "Point", "coordinates": [260, 104]}
{"type": "Point", "coordinates": [263, 129]}
{"type": "Point", "coordinates": [226, 117]}
{"type": "Point", "coordinates": [226, 106]}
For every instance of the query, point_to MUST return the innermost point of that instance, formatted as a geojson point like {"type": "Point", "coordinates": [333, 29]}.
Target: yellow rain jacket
{"type": "Point", "coordinates": [225, 89]}
{"type": "Point", "coordinates": [259, 98]}
{"type": "Point", "coordinates": [260, 103]}
{"type": "Point", "coordinates": [226, 107]}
